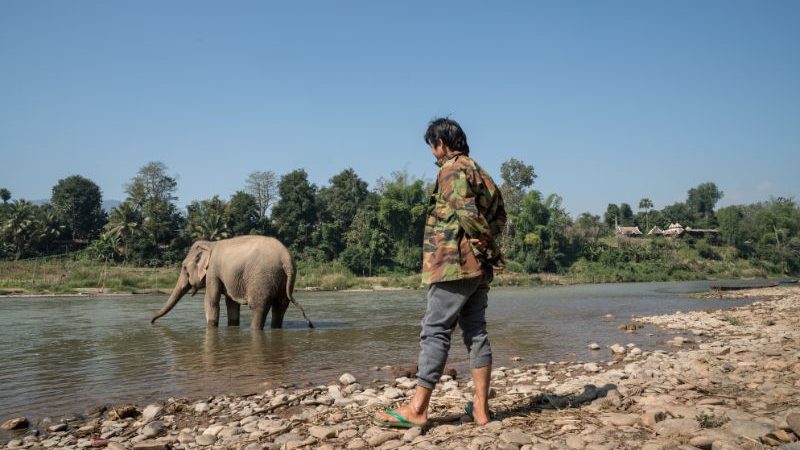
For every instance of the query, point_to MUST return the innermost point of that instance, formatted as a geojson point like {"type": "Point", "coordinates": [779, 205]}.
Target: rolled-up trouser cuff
{"type": "Point", "coordinates": [425, 384]}
{"type": "Point", "coordinates": [481, 361]}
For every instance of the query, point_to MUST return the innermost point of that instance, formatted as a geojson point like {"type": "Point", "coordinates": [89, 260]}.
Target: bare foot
{"type": "Point", "coordinates": [480, 412]}
{"type": "Point", "coordinates": [407, 412]}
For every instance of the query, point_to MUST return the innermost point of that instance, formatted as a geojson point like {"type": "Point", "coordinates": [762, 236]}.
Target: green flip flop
{"type": "Point", "coordinates": [401, 421]}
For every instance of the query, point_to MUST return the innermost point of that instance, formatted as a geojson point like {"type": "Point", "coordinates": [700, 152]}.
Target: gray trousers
{"type": "Point", "coordinates": [450, 302]}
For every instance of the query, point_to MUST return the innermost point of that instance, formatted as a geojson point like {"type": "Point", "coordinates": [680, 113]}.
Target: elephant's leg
{"type": "Point", "coordinates": [279, 308]}
{"type": "Point", "coordinates": [233, 312]}
{"type": "Point", "coordinates": [260, 310]}
{"type": "Point", "coordinates": [212, 302]}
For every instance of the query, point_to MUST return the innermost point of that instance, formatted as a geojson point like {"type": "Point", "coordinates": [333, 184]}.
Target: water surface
{"type": "Point", "coordinates": [63, 355]}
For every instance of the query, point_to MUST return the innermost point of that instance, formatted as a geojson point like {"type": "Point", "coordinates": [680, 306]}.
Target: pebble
{"type": "Point", "coordinates": [575, 442]}
{"type": "Point", "coordinates": [793, 421]}
{"type": "Point", "coordinates": [288, 437]}
{"type": "Point", "coordinates": [152, 429]}
{"type": "Point", "coordinates": [201, 407]}
{"type": "Point", "coordinates": [57, 427]}
{"type": "Point", "coordinates": [356, 443]}
{"type": "Point", "coordinates": [17, 423]}
{"type": "Point", "coordinates": [617, 349]}
{"type": "Point", "coordinates": [392, 393]}
{"type": "Point", "coordinates": [347, 379]}
{"type": "Point", "coordinates": [748, 428]}
{"type": "Point", "coordinates": [412, 433]}
{"type": "Point", "coordinates": [321, 432]}
{"type": "Point", "coordinates": [380, 437]}
{"type": "Point", "coordinates": [591, 367]}
{"type": "Point", "coordinates": [515, 437]}
{"type": "Point", "coordinates": [493, 426]}
{"type": "Point", "coordinates": [151, 412]}
{"type": "Point", "coordinates": [676, 427]}
{"type": "Point", "coordinates": [204, 440]}
{"type": "Point", "coordinates": [213, 430]}
{"type": "Point", "coordinates": [150, 445]}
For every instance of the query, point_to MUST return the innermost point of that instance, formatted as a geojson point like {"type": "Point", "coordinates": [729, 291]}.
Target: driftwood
{"type": "Point", "coordinates": [293, 399]}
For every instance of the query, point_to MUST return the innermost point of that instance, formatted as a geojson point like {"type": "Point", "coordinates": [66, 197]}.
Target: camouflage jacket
{"type": "Point", "coordinates": [464, 204]}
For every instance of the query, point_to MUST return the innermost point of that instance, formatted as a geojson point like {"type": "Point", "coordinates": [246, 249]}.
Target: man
{"type": "Point", "coordinates": [460, 251]}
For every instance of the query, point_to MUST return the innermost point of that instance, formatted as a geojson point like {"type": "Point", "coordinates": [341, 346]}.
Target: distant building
{"type": "Point", "coordinates": [674, 230]}
{"type": "Point", "coordinates": [677, 230]}
{"type": "Point", "coordinates": [628, 231]}
{"type": "Point", "coordinates": [700, 231]}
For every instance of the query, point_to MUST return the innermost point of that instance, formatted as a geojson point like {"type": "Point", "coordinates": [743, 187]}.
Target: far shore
{"type": "Point", "coordinates": [366, 284]}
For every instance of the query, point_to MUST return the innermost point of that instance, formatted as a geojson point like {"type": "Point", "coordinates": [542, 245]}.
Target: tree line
{"type": "Point", "coordinates": [374, 231]}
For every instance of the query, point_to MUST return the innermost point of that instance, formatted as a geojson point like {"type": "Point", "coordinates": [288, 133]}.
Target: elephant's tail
{"type": "Point", "coordinates": [288, 267]}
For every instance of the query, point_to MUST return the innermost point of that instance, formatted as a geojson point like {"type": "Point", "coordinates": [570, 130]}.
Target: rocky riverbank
{"type": "Point", "coordinates": [732, 382]}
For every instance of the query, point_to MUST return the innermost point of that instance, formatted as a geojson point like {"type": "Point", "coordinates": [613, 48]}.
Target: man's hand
{"type": "Point", "coordinates": [478, 244]}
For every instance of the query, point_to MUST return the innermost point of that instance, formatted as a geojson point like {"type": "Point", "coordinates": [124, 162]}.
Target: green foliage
{"type": "Point", "coordinates": [208, 220]}
{"type": "Point", "coordinates": [28, 230]}
{"type": "Point", "coordinates": [338, 205]}
{"type": "Point", "coordinates": [701, 201]}
{"type": "Point", "coordinates": [104, 248]}
{"type": "Point", "coordinates": [625, 215]}
{"type": "Point", "coordinates": [78, 205]}
{"type": "Point", "coordinates": [151, 193]}
{"type": "Point", "coordinates": [295, 215]}
{"type": "Point", "coordinates": [704, 250]}
{"type": "Point", "coordinates": [768, 232]}
{"type": "Point", "coordinates": [611, 215]}
{"type": "Point", "coordinates": [344, 228]}
{"type": "Point", "coordinates": [125, 227]}
{"type": "Point", "coordinates": [677, 213]}
{"type": "Point", "coordinates": [244, 216]}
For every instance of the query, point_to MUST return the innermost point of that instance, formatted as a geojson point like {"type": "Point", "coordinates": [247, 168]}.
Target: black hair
{"type": "Point", "coordinates": [449, 132]}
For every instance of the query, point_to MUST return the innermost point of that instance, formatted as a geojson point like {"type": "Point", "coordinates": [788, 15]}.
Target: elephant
{"type": "Point", "coordinates": [248, 270]}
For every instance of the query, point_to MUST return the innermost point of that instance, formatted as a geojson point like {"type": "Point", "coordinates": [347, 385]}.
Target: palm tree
{"type": "Point", "coordinates": [646, 204]}
{"type": "Point", "coordinates": [211, 226]}
{"type": "Point", "coordinates": [18, 228]}
{"type": "Point", "coordinates": [5, 195]}
{"type": "Point", "coordinates": [48, 228]}
{"type": "Point", "coordinates": [124, 224]}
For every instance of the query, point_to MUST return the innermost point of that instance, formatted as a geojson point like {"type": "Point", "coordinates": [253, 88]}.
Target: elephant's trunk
{"type": "Point", "coordinates": [180, 289]}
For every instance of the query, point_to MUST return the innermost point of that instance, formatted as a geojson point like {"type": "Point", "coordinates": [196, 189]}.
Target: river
{"type": "Point", "coordinates": [63, 355]}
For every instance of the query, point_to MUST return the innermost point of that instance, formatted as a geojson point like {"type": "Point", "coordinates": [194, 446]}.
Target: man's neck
{"type": "Point", "coordinates": [450, 155]}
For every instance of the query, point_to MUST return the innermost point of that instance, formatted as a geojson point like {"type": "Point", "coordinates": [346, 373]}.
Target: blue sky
{"type": "Point", "coordinates": [610, 101]}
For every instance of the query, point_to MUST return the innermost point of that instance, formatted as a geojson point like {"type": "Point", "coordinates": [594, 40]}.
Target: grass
{"type": "Point", "coordinates": [711, 420]}
{"type": "Point", "coordinates": [66, 276]}
{"type": "Point", "coordinates": [733, 320]}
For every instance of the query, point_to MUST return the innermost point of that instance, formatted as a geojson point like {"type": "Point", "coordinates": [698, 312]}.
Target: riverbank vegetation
{"type": "Point", "coordinates": [348, 236]}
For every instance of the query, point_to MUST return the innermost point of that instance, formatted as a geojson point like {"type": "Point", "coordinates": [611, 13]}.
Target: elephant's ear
{"type": "Point", "coordinates": [201, 262]}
